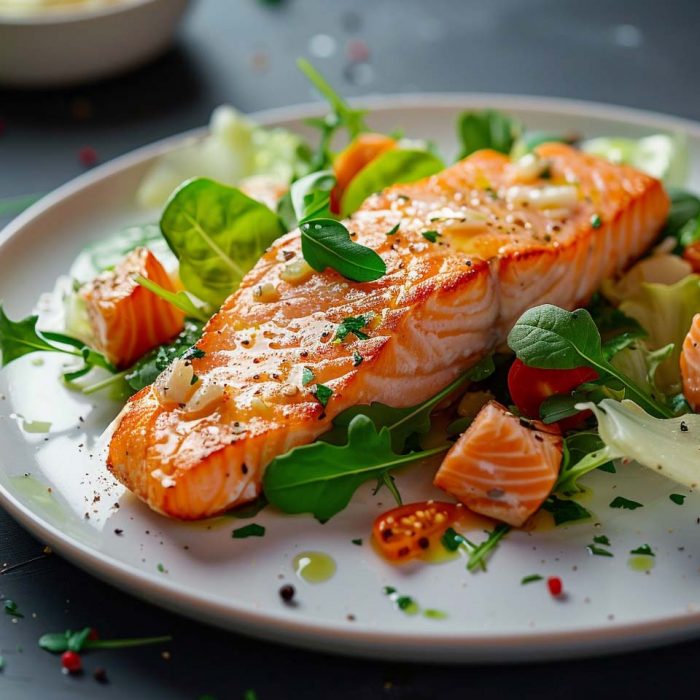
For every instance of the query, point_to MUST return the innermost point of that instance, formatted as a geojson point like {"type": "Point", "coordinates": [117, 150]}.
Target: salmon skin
{"type": "Point", "coordinates": [505, 239]}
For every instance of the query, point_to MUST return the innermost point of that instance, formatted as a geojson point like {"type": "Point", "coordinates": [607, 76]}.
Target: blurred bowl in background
{"type": "Point", "coordinates": [81, 42]}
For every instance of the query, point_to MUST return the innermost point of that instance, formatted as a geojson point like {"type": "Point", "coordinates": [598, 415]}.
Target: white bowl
{"type": "Point", "coordinates": [70, 46]}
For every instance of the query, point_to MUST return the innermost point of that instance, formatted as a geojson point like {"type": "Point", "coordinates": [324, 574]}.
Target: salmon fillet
{"type": "Point", "coordinates": [128, 320]}
{"type": "Point", "coordinates": [507, 241]}
{"type": "Point", "coordinates": [501, 467]}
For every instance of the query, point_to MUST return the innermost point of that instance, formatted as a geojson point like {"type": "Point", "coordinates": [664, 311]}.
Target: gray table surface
{"type": "Point", "coordinates": [640, 53]}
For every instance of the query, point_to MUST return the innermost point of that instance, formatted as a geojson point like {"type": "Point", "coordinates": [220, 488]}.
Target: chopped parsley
{"type": "Point", "coordinates": [565, 510]}
{"type": "Point", "coordinates": [252, 530]}
{"type": "Point", "coordinates": [451, 540]}
{"type": "Point", "coordinates": [597, 551]}
{"type": "Point", "coordinates": [394, 230]}
{"type": "Point", "coordinates": [357, 542]}
{"type": "Point", "coordinates": [194, 380]}
{"type": "Point", "coordinates": [643, 549]}
{"type": "Point", "coordinates": [323, 394]}
{"type": "Point", "coordinates": [352, 324]}
{"type": "Point", "coordinates": [161, 568]}
{"type": "Point", "coordinates": [530, 579]}
{"type": "Point", "coordinates": [194, 353]}
{"type": "Point", "coordinates": [626, 503]}
{"type": "Point", "coordinates": [307, 376]}
{"type": "Point", "coordinates": [602, 539]}
{"type": "Point", "coordinates": [596, 221]}
{"type": "Point", "coordinates": [431, 236]}
{"type": "Point", "coordinates": [677, 498]}
{"type": "Point", "coordinates": [357, 359]}
{"type": "Point", "coordinates": [12, 609]}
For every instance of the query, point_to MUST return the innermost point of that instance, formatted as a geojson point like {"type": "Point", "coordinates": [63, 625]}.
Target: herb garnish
{"type": "Point", "coordinates": [12, 609]}
{"type": "Point", "coordinates": [248, 510]}
{"type": "Point", "coordinates": [451, 540]}
{"type": "Point", "coordinates": [179, 300]}
{"type": "Point", "coordinates": [625, 503]}
{"type": "Point", "coordinates": [598, 551]}
{"type": "Point", "coordinates": [530, 579]}
{"type": "Point", "coordinates": [394, 230]}
{"type": "Point", "coordinates": [357, 542]}
{"type": "Point", "coordinates": [356, 359]}
{"type": "Point", "coordinates": [327, 243]}
{"type": "Point", "coordinates": [644, 549]}
{"type": "Point", "coordinates": [479, 553]}
{"type": "Point", "coordinates": [565, 510]}
{"type": "Point", "coordinates": [431, 236]}
{"type": "Point", "coordinates": [487, 129]}
{"type": "Point", "coordinates": [596, 221]}
{"type": "Point", "coordinates": [323, 393]}
{"type": "Point", "coordinates": [252, 530]}
{"type": "Point", "coordinates": [677, 498]}
{"type": "Point", "coordinates": [352, 324]}
{"type": "Point", "coordinates": [59, 642]}
{"type": "Point", "coordinates": [307, 376]}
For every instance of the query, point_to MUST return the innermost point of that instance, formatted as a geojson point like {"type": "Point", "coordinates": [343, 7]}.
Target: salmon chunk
{"type": "Point", "coordinates": [690, 365]}
{"type": "Point", "coordinates": [128, 320]}
{"type": "Point", "coordinates": [501, 239]}
{"type": "Point", "coordinates": [501, 466]}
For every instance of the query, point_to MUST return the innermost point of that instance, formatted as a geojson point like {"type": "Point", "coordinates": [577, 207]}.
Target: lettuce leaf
{"type": "Point", "coordinates": [668, 446]}
{"type": "Point", "coordinates": [666, 312]}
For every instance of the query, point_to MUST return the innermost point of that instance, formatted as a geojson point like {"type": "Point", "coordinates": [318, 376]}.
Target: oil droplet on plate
{"type": "Point", "coordinates": [641, 562]}
{"type": "Point", "coordinates": [314, 567]}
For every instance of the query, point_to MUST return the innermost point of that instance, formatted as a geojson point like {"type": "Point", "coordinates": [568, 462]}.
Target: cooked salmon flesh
{"type": "Point", "coordinates": [502, 237]}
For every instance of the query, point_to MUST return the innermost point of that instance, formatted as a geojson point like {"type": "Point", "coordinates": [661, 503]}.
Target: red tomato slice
{"type": "Point", "coordinates": [530, 386]}
{"type": "Point", "coordinates": [407, 531]}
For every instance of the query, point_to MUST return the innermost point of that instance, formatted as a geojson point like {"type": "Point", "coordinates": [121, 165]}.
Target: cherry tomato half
{"type": "Point", "coordinates": [530, 386]}
{"type": "Point", "coordinates": [407, 531]}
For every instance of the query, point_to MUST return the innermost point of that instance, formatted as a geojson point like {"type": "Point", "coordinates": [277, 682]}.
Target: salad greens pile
{"type": "Point", "coordinates": [211, 233]}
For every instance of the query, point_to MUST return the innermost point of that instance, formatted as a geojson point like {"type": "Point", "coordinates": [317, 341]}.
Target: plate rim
{"type": "Point", "coordinates": [356, 638]}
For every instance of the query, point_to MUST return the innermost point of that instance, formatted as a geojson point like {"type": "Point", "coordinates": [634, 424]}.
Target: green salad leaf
{"type": "Point", "coordinates": [391, 167]}
{"type": "Point", "coordinates": [321, 478]}
{"type": "Point", "coordinates": [217, 233]}
{"type": "Point", "coordinates": [552, 338]}
{"type": "Point", "coordinates": [179, 300]}
{"type": "Point", "coordinates": [487, 129]}
{"type": "Point", "coordinates": [327, 243]}
{"type": "Point", "coordinates": [685, 211]}
{"type": "Point", "coordinates": [565, 510]}
{"type": "Point", "coordinates": [310, 196]}
{"type": "Point", "coordinates": [530, 140]}
{"type": "Point", "coordinates": [668, 446]}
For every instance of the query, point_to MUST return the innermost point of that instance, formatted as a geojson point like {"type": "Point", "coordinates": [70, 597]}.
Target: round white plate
{"type": "Point", "coordinates": [49, 482]}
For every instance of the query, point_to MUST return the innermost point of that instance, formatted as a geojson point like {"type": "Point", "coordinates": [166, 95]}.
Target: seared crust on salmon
{"type": "Point", "coordinates": [505, 239]}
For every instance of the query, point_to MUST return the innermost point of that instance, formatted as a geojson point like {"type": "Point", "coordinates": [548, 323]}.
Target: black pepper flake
{"type": "Point", "coordinates": [118, 531]}
{"type": "Point", "coordinates": [684, 427]}
{"type": "Point", "coordinates": [424, 543]}
{"type": "Point", "coordinates": [244, 468]}
{"type": "Point", "coordinates": [287, 593]}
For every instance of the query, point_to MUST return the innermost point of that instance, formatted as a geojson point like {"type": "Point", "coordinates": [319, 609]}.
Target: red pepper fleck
{"type": "Point", "coordinates": [71, 661]}
{"type": "Point", "coordinates": [87, 156]}
{"type": "Point", "coordinates": [555, 586]}
{"type": "Point", "coordinates": [357, 51]}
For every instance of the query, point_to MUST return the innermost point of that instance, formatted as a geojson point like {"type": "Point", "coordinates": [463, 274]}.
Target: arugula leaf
{"type": "Point", "coordinates": [625, 503]}
{"type": "Point", "coordinates": [217, 233]}
{"type": "Point", "coordinates": [321, 478]}
{"type": "Point", "coordinates": [252, 530]}
{"type": "Point", "coordinates": [352, 324]}
{"type": "Point", "coordinates": [565, 510]}
{"type": "Point", "coordinates": [403, 422]}
{"type": "Point", "coordinates": [19, 338]}
{"type": "Point", "coordinates": [479, 553]}
{"type": "Point", "coordinates": [147, 369]}
{"type": "Point", "coordinates": [552, 338]}
{"type": "Point", "coordinates": [179, 300]}
{"type": "Point", "coordinates": [352, 119]}
{"type": "Point", "coordinates": [327, 243]}
{"type": "Point", "coordinates": [390, 168]}
{"type": "Point", "coordinates": [487, 129]}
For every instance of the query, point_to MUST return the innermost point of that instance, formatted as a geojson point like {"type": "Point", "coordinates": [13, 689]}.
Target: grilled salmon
{"type": "Point", "coordinates": [128, 320]}
{"type": "Point", "coordinates": [690, 365]}
{"type": "Point", "coordinates": [502, 467]}
{"type": "Point", "coordinates": [503, 237]}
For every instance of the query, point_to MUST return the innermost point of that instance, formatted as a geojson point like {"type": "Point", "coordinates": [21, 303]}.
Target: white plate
{"type": "Point", "coordinates": [234, 583]}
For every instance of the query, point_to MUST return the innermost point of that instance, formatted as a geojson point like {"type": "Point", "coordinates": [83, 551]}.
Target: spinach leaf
{"type": "Point", "coordinates": [218, 233]}
{"type": "Point", "coordinates": [552, 338]}
{"type": "Point", "coordinates": [684, 208]}
{"type": "Point", "coordinates": [487, 129]}
{"type": "Point", "coordinates": [390, 168]}
{"type": "Point", "coordinates": [327, 243]}
{"type": "Point", "coordinates": [321, 478]}
{"type": "Point", "coordinates": [179, 300]}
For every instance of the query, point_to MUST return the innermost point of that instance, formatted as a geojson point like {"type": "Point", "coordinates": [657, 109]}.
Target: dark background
{"type": "Point", "coordinates": [642, 53]}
